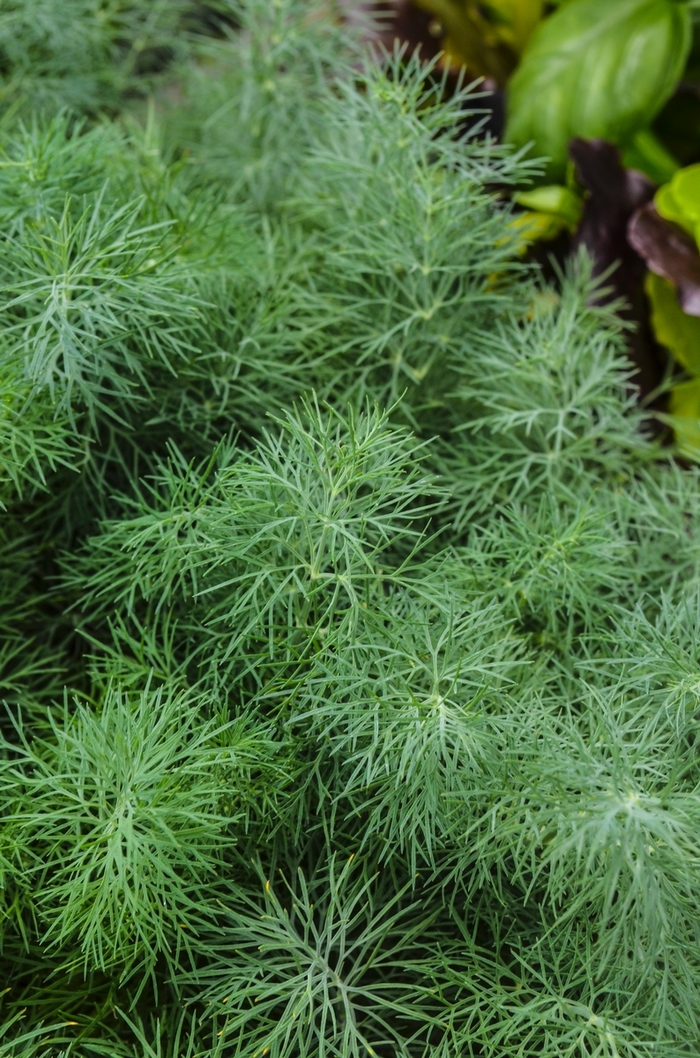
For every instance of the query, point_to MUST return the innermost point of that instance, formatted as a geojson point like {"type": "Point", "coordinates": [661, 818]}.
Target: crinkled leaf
{"type": "Point", "coordinates": [596, 69]}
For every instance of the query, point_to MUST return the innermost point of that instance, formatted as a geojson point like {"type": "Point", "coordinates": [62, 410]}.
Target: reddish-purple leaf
{"type": "Point", "coordinates": [669, 252]}
{"type": "Point", "coordinates": [614, 194]}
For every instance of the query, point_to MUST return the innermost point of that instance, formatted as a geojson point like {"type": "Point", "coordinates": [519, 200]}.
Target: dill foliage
{"type": "Point", "coordinates": [350, 610]}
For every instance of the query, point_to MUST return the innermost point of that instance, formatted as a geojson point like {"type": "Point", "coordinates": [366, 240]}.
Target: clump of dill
{"type": "Point", "coordinates": [350, 614]}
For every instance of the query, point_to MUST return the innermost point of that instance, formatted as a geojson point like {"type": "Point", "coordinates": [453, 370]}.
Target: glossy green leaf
{"type": "Point", "coordinates": [647, 154]}
{"type": "Point", "coordinates": [675, 329]}
{"type": "Point", "coordinates": [596, 69]}
{"type": "Point", "coordinates": [553, 199]}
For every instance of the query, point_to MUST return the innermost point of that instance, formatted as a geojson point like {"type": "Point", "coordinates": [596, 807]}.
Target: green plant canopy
{"type": "Point", "coordinates": [350, 604]}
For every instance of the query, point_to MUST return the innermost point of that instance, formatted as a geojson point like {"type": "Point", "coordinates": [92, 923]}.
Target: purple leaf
{"type": "Point", "coordinates": [668, 252]}
{"type": "Point", "coordinates": [614, 194]}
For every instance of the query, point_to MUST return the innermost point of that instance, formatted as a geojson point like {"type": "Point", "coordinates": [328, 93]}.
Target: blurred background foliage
{"type": "Point", "coordinates": [624, 73]}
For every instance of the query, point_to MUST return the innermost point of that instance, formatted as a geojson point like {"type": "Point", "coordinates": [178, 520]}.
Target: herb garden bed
{"type": "Point", "coordinates": [351, 594]}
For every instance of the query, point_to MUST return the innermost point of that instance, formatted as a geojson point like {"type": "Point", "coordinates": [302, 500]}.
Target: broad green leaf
{"type": "Point", "coordinates": [553, 199]}
{"type": "Point", "coordinates": [647, 153]}
{"type": "Point", "coordinates": [684, 406]}
{"type": "Point", "coordinates": [675, 329]}
{"type": "Point", "coordinates": [596, 69]}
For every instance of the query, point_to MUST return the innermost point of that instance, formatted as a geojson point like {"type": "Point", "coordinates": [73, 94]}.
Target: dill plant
{"type": "Point", "coordinates": [349, 633]}
{"type": "Point", "coordinates": [85, 54]}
